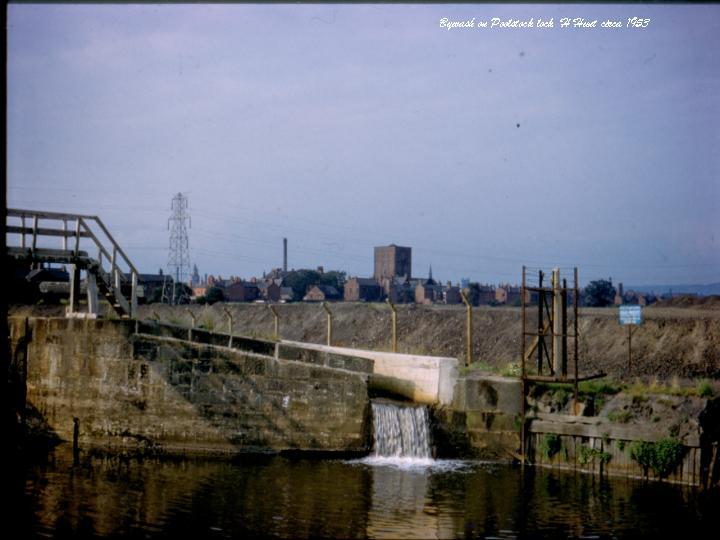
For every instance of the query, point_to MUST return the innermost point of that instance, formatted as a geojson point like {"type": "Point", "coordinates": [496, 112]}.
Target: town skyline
{"type": "Point", "coordinates": [345, 127]}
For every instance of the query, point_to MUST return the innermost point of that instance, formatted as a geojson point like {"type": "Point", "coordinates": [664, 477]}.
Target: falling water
{"type": "Point", "coordinates": [401, 432]}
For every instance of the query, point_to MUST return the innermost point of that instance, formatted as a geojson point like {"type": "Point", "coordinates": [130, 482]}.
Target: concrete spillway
{"type": "Point", "coordinates": [400, 431]}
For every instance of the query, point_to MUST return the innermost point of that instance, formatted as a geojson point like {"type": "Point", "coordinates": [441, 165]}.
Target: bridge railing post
{"type": "Point", "coordinates": [34, 234]}
{"type": "Point", "coordinates": [77, 236]}
{"type": "Point", "coordinates": [133, 295]}
{"type": "Point", "coordinates": [114, 271]}
{"type": "Point", "coordinates": [22, 236]}
{"type": "Point", "coordinates": [329, 322]}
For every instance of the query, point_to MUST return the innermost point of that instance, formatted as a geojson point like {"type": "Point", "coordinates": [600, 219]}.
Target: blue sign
{"type": "Point", "coordinates": [630, 314]}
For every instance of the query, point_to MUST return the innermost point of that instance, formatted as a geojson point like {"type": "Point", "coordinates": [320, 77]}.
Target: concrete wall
{"type": "Point", "coordinates": [424, 379]}
{"type": "Point", "coordinates": [159, 393]}
{"type": "Point", "coordinates": [483, 419]}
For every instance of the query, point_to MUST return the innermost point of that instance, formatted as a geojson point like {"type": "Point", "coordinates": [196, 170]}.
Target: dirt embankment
{"type": "Point", "coordinates": [672, 341]}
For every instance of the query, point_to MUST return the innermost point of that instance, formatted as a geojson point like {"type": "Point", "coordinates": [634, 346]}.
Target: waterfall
{"type": "Point", "coordinates": [401, 431]}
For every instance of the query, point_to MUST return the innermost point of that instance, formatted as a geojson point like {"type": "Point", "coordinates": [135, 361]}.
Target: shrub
{"type": "Point", "coordinates": [704, 389]}
{"type": "Point", "coordinates": [550, 444]}
{"type": "Point", "coordinates": [586, 455]}
{"type": "Point", "coordinates": [662, 457]}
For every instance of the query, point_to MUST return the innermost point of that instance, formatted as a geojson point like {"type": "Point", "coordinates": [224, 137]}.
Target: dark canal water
{"type": "Point", "coordinates": [103, 496]}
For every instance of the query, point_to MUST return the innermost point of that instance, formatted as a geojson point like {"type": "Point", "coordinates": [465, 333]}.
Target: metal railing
{"type": "Point", "coordinates": [109, 252]}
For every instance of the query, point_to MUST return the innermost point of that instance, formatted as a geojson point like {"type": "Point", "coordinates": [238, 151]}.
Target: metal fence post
{"type": "Point", "coordinates": [329, 322]}
{"type": "Point", "coordinates": [394, 324]}
{"type": "Point", "coordinates": [230, 325]}
{"type": "Point", "coordinates": [192, 316]}
{"type": "Point", "coordinates": [468, 329]}
{"type": "Point", "coordinates": [277, 320]}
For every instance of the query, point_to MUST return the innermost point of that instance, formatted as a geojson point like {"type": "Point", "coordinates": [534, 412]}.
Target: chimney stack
{"type": "Point", "coordinates": [284, 255]}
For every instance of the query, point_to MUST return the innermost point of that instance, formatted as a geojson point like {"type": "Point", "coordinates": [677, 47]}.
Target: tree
{"type": "Point", "coordinates": [301, 280]}
{"type": "Point", "coordinates": [335, 279]}
{"type": "Point", "coordinates": [599, 293]}
{"type": "Point", "coordinates": [473, 294]}
{"type": "Point", "coordinates": [214, 294]}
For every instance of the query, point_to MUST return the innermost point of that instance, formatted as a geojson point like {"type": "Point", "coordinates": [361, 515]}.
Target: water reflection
{"type": "Point", "coordinates": [275, 496]}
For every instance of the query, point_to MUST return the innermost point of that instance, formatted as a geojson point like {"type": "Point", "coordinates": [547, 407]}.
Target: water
{"type": "Point", "coordinates": [293, 498]}
{"type": "Point", "coordinates": [402, 435]}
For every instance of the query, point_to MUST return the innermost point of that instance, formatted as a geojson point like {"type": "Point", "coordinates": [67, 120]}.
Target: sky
{"type": "Point", "coordinates": [346, 127]}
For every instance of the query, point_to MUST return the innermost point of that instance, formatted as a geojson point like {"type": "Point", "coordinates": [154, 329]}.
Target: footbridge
{"type": "Point", "coordinates": [85, 245]}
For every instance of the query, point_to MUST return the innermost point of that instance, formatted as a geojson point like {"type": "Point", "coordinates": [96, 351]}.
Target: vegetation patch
{"type": "Point", "coordinates": [704, 389]}
{"type": "Point", "coordinates": [550, 444]}
{"type": "Point", "coordinates": [587, 455]}
{"type": "Point", "coordinates": [662, 457]}
{"type": "Point", "coordinates": [620, 417]}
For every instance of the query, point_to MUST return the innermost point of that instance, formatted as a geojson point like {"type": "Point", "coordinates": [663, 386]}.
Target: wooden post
{"type": "Point", "coordinates": [77, 236]}
{"type": "Point", "coordinates": [393, 316]}
{"type": "Point", "coordinates": [64, 241]}
{"type": "Point", "coordinates": [629, 347]}
{"type": "Point", "coordinates": [277, 320]}
{"type": "Point", "coordinates": [468, 329]}
{"type": "Point", "coordinates": [576, 335]}
{"type": "Point", "coordinates": [556, 323]}
{"type": "Point", "coordinates": [329, 322]}
{"type": "Point", "coordinates": [34, 235]}
{"type": "Point", "coordinates": [230, 325]}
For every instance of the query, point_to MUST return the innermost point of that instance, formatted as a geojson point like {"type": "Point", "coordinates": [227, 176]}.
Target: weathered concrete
{"type": "Point", "coordinates": [132, 390]}
{"type": "Point", "coordinates": [483, 418]}
{"type": "Point", "coordinates": [423, 379]}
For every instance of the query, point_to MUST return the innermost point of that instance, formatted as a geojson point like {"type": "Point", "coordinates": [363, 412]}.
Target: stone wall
{"type": "Point", "coordinates": [160, 393]}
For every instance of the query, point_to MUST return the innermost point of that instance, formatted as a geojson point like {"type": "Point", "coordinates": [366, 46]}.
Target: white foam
{"type": "Point", "coordinates": [413, 463]}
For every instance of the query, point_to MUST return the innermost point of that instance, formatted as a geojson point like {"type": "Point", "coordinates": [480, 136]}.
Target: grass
{"type": "Point", "coordinates": [620, 417]}
{"type": "Point", "coordinates": [640, 392]}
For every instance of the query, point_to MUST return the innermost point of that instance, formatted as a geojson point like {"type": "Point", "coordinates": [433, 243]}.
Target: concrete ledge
{"type": "Point", "coordinates": [423, 379]}
{"type": "Point", "coordinates": [287, 351]}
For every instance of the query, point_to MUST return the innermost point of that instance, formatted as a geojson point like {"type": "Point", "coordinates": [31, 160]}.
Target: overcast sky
{"type": "Point", "coordinates": [347, 127]}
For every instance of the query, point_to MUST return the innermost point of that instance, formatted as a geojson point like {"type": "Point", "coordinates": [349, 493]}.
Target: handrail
{"type": "Point", "coordinates": [82, 229]}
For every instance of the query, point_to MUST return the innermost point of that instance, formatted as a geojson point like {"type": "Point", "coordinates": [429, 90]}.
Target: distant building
{"type": "Point", "coordinates": [392, 261]}
{"type": "Point", "coordinates": [510, 294]}
{"type": "Point", "coordinates": [242, 291]}
{"type": "Point", "coordinates": [451, 294]}
{"type": "Point", "coordinates": [363, 290]}
{"type": "Point", "coordinates": [199, 291]}
{"type": "Point", "coordinates": [286, 294]}
{"type": "Point", "coordinates": [322, 293]}
{"type": "Point", "coordinates": [269, 291]}
{"type": "Point", "coordinates": [147, 283]}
